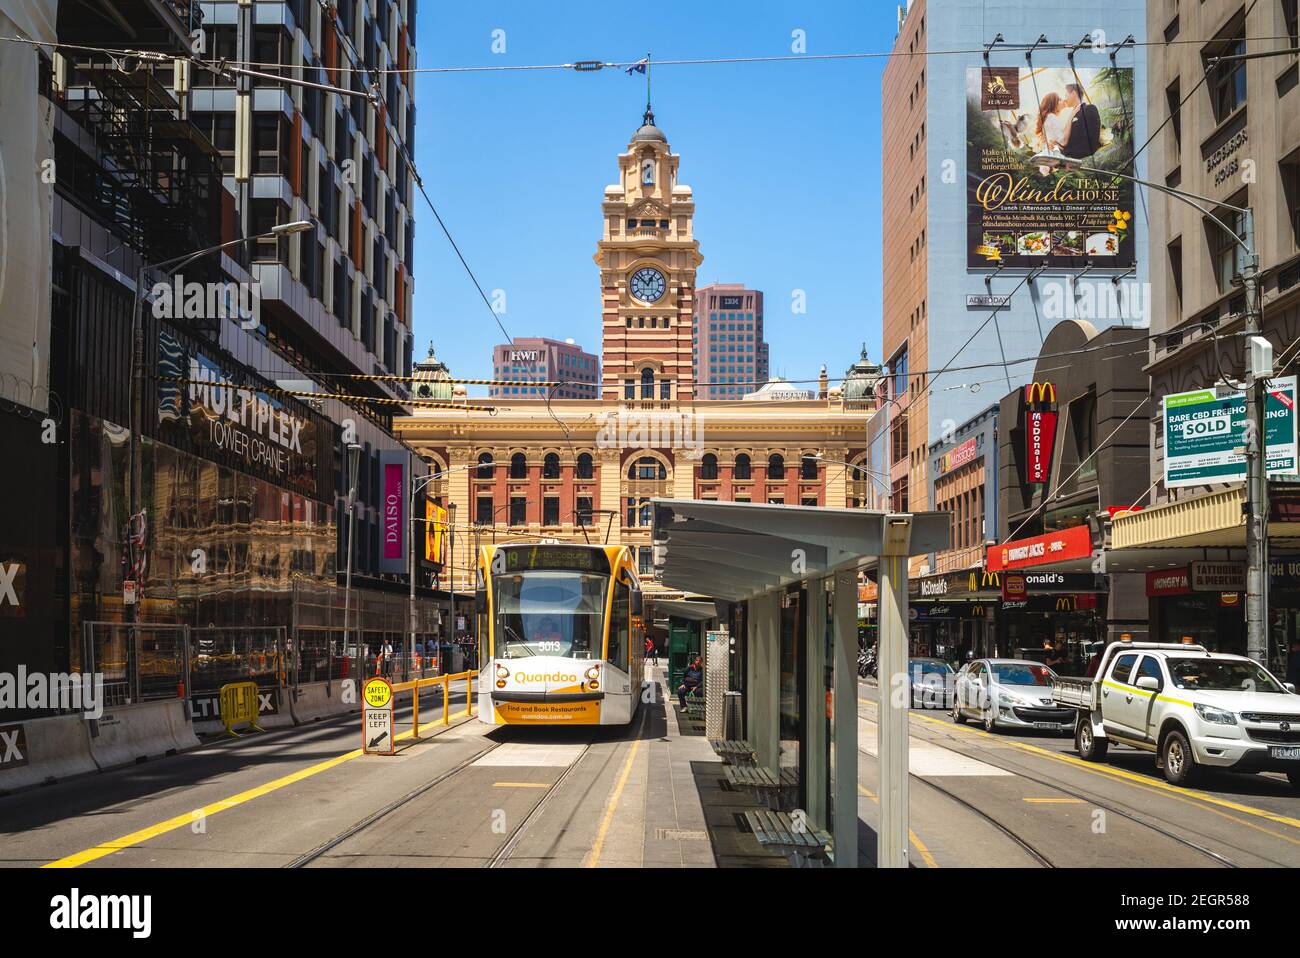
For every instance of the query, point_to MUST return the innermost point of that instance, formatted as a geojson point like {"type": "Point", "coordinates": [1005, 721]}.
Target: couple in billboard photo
{"type": "Point", "coordinates": [1068, 124]}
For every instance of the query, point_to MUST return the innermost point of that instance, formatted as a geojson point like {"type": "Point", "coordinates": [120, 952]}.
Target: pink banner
{"type": "Point", "coordinates": [393, 526]}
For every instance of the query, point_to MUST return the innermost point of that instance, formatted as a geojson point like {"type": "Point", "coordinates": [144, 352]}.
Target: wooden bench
{"type": "Point", "coordinates": [778, 830]}
{"type": "Point", "coordinates": [733, 751]}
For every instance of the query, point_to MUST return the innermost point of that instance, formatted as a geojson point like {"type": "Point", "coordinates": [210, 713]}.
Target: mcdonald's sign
{"type": "Point", "coordinates": [985, 580]}
{"type": "Point", "coordinates": [1065, 603]}
{"type": "Point", "coordinates": [1040, 431]}
{"type": "Point", "coordinates": [1040, 393]}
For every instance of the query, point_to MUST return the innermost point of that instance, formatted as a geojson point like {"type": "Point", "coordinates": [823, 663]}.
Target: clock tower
{"type": "Point", "coordinates": [647, 258]}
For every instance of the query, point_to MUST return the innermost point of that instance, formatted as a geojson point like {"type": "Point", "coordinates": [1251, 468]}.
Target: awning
{"type": "Point", "coordinates": [738, 550]}
{"type": "Point", "coordinates": [695, 611]}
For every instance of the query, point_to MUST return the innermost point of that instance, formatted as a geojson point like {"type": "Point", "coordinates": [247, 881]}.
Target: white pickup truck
{"type": "Point", "coordinates": [1194, 709]}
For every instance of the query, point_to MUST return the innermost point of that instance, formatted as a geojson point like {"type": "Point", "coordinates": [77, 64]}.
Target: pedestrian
{"type": "Point", "coordinates": [1293, 665]}
{"type": "Point", "coordinates": [651, 652]}
{"type": "Point", "coordinates": [387, 657]}
{"type": "Point", "coordinates": [691, 681]}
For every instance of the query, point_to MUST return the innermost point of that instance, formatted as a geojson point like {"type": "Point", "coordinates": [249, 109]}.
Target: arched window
{"type": "Point", "coordinates": [518, 466]}
{"type": "Point", "coordinates": [807, 468]}
{"type": "Point", "coordinates": [709, 466]}
{"type": "Point", "coordinates": [776, 466]}
{"type": "Point", "coordinates": [485, 466]}
{"type": "Point", "coordinates": [647, 468]}
{"type": "Point", "coordinates": [551, 466]}
{"type": "Point", "coordinates": [647, 383]}
{"type": "Point", "coordinates": [585, 469]}
{"type": "Point", "coordinates": [742, 467]}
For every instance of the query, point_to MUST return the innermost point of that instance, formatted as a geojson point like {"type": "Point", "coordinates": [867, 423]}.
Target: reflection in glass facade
{"type": "Point", "coordinates": [222, 548]}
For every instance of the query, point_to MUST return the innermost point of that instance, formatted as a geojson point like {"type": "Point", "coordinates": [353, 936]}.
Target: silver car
{"type": "Point", "coordinates": [1009, 693]}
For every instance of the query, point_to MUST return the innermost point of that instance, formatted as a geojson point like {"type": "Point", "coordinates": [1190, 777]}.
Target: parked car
{"type": "Point", "coordinates": [930, 682]}
{"type": "Point", "coordinates": [1193, 708]}
{"type": "Point", "coordinates": [1009, 693]}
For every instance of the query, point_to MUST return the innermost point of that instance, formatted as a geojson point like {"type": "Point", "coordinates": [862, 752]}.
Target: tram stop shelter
{"type": "Point", "coordinates": [794, 569]}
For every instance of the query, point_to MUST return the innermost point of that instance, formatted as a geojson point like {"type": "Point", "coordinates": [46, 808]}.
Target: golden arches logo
{"type": "Point", "coordinates": [1040, 392]}
{"type": "Point", "coordinates": [1064, 604]}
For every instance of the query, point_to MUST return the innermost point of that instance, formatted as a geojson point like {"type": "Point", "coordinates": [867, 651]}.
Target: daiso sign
{"type": "Point", "coordinates": [393, 516]}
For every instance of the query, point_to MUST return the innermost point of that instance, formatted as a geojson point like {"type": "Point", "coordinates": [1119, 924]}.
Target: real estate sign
{"type": "Point", "coordinates": [1205, 434]}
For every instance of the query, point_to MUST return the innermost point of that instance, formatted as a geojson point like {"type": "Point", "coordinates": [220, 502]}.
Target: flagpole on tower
{"type": "Point", "coordinates": [647, 81]}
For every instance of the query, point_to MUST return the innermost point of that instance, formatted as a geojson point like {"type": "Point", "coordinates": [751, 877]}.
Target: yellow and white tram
{"type": "Point", "coordinates": [559, 633]}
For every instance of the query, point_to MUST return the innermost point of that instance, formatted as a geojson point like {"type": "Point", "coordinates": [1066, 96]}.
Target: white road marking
{"type": "Point", "coordinates": [927, 759]}
{"type": "Point", "coordinates": [514, 754]}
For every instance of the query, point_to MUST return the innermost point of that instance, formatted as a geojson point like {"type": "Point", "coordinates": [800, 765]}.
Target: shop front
{"type": "Point", "coordinates": [954, 615]}
{"type": "Point", "coordinates": [1053, 610]}
{"type": "Point", "coordinates": [1200, 602]}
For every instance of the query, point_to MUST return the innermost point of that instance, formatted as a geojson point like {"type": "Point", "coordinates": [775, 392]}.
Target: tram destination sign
{"type": "Point", "coordinates": [1205, 434]}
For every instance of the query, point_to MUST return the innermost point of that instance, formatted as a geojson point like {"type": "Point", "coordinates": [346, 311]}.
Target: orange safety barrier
{"type": "Point", "coordinates": [445, 681]}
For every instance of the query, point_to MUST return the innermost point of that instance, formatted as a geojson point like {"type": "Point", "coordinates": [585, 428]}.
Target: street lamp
{"type": "Point", "coordinates": [1256, 476]}
{"type": "Point", "coordinates": [353, 463]}
{"type": "Point", "coordinates": [416, 486]}
{"type": "Point", "coordinates": [137, 372]}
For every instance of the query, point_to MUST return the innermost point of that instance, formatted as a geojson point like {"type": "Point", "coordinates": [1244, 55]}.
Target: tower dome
{"type": "Point", "coordinates": [860, 380]}
{"type": "Point", "coordinates": [432, 380]}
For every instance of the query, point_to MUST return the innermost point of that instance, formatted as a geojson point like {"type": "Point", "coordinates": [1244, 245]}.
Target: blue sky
{"type": "Point", "coordinates": [783, 158]}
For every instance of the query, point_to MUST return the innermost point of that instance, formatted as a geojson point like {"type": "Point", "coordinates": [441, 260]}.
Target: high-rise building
{"type": "Point", "coordinates": [336, 301]}
{"type": "Point", "coordinates": [647, 256]}
{"type": "Point", "coordinates": [729, 353]}
{"type": "Point", "coordinates": [986, 250]}
{"type": "Point", "coordinates": [238, 251]}
{"type": "Point", "coordinates": [528, 360]}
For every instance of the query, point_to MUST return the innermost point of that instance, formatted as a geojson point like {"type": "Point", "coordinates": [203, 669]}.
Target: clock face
{"type": "Point", "coordinates": [648, 285]}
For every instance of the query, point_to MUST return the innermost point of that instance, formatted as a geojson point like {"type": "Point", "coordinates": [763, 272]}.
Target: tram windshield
{"type": "Point", "coordinates": [549, 613]}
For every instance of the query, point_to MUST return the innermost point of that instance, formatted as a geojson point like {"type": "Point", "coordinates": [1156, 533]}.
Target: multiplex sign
{"type": "Point", "coordinates": [227, 420]}
{"type": "Point", "coordinates": [1205, 434]}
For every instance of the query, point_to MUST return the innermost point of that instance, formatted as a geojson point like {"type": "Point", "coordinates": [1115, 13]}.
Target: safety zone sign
{"type": "Point", "coordinates": [377, 733]}
{"type": "Point", "coordinates": [1205, 434]}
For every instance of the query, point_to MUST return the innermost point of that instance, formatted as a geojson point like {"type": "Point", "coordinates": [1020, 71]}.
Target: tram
{"type": "Point", "coordinates": [560, 634]}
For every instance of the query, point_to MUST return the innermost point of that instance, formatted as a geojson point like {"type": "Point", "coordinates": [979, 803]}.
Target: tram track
{"type": "Point", "coordinates": [1003, 762]}
{"type": "Point", "coordinates": [383, 812]}
{"type": "Point", "coordinates": [502, 854]}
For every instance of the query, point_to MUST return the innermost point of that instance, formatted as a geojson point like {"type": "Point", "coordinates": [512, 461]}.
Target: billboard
{"type": "Point", "coordinates": [1204, 433]}
{"type": "Point", "coordinates": [1023, 214]}
{"type": "Point", "coordinates": [435, 533]}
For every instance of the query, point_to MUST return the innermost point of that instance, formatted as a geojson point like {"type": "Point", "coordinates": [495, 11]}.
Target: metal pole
{"type": "Point", "coordinates": [353, 455]}
{"type": "Point", "coordinates": [892, 745]}
{"type": "Point", "coordinates": [137, 423]}
{"type": "Point", "coordinates": [1256, 468]}
{"type": "Point", "coordinates": [451, 520]}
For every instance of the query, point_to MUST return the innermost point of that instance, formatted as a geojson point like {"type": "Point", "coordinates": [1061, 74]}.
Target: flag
{"type": "Point", "coordinates": [638, 67]}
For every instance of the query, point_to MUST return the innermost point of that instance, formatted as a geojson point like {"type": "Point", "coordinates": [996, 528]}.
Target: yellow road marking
{"type": "Point", "coordinates": [612, 804]}
{"type": "Point", "coordinates": [180, 821]}
{"type": "Point", "coordinates": [520, 785]}
{"type": "Point", "coordinates": [915, 838]}
{"type": "Point", "coordinates": [1054, 801]}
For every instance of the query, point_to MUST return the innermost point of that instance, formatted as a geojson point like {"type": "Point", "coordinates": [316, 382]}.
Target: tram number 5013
{"type": "Point", "coordinates": [548, 646]}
